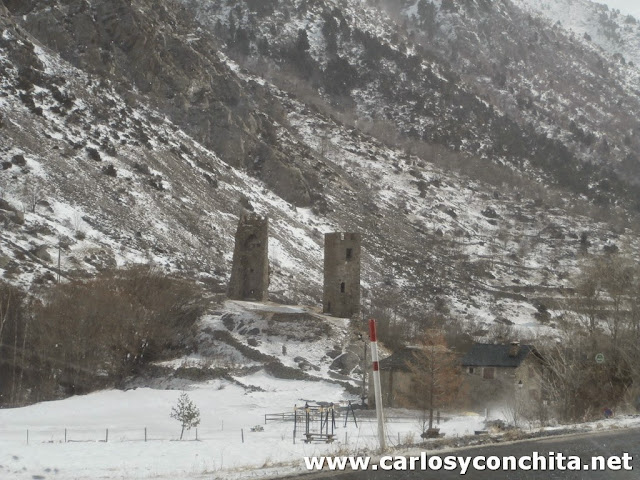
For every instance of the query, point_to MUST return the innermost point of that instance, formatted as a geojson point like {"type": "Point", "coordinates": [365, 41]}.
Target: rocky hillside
{"type": "Point", "coordinates": [616, 32]}
{"type": "Point", "coordinates": [485, 78]}
{"type": "Point", "coordinates": [480, 151]}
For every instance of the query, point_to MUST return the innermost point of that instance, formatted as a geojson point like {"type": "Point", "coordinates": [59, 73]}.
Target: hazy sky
{"type": "Point", "coordinates": [625, 6]}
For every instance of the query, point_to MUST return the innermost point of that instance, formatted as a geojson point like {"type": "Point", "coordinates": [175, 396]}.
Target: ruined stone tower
{"type": "Point", "coordinates": [341, 274]}
{"type": "Point", "coordinates": [250, 271]}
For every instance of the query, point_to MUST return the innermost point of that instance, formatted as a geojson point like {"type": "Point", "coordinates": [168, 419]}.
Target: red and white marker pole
{"type": "Point", "coordinates": [376, 383]}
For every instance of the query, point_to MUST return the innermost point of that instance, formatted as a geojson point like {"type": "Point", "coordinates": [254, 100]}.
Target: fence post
{"type": "Point", "coordinates": [196, 434]}
{"type": "Point", "coordinates": [242, 434]}
{"type": "Point", "coordinates": [145, 434]}
{"type": "Point", "coordinates": [27, 436]}
{"type": "Point", "coordinates": [295, 422]}
{"type": "Point", "coordinates": [65, 435]}
{"type": "Point", "coordinates": [106, 436]}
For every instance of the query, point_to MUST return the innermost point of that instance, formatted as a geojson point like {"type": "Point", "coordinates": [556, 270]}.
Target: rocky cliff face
{"type": "Point", "coordinates": [157, 52]}
{"type": "Point", "coordinates": [480, 77]}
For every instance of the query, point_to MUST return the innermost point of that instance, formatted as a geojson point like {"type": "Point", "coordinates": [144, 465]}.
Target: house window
{"type": "Point", "coordinates": [342, 287]}
{"type": "Point", "coordinates": [349, 253]}
{"type": "Point", "coordinates": [489, 373]}
{"type": "Point", "coordinates": [470, 369]}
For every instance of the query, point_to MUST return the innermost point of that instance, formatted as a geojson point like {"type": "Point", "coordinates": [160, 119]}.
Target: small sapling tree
{"type": "Point", "coordinates": [186, 413]}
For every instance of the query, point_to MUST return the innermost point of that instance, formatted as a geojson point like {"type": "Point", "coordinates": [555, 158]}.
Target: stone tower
{"type": "Point", "coordinates": [341, 274]}
{"type": "Point", "coordinates": [250, 271]}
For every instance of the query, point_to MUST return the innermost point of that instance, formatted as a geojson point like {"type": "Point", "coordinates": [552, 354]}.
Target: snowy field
{"type": "Point", "coordinates": [227, 412]}
{"type": "Point", "coordinates": [225, 408]}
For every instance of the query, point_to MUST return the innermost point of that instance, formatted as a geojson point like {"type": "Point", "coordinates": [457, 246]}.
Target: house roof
{"type": "Point", "coordinates": [400, 359]}
{"type": "Point", "coordinates": [489, 355]}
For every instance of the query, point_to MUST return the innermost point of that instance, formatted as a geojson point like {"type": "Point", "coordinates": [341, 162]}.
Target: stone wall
{"type": "Point", "coordinates": [250, 271]}
{"type": "Point", "coordinates": [398, 389]}
{"type": "Point", "coordinates": [341, 296]}
{"type": "Point", "coordinates": [491, 387]}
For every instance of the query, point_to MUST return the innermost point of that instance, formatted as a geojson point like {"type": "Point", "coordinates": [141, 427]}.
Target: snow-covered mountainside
{"type": "Point", "coordinates": [475, 162]}
{"type": "Point", "coordinates": [485, 153]}
{"type": "Point", "coordinates": [612, 30]}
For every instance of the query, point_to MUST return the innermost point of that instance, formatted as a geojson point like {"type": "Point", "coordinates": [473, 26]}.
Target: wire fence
{"type": "Point", "coordinates": [40, 435]}
{"type": "Point", "coordinates": [280, 424]}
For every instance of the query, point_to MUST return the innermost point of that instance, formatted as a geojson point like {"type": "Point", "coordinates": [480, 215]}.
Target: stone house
{"type": "Point", "coordinates": [396, 378]}
{"type": "Point", "coordinates": [494, 376]}
{"type": "Point", "coordinates": [498, 373]}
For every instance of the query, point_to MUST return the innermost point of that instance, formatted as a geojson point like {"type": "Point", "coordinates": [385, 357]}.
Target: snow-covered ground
{"type": "Point", "coordinates": [226, 409]}
{"type": "Point", "coordinates": [614, 31]}
{"type": "Point", "coordinates": [228, 412]}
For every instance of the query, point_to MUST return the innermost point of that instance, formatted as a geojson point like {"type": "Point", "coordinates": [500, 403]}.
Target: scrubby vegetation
{"type": "Point", "coordinates": [590, 361]}
{"type": "Point", "coordinates": [601, 317]}
{"type": "Point", "coordinates": [89, 334]}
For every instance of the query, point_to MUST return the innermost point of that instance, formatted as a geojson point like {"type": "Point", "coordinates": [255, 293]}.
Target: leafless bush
{"type": "Point", "coordinates": [91, 334]}
{"type": "Point", "coordinates": [500, 333]}
{"type": "Point", "coordinates": [392, 328]}
{"type": "Point", "coordinates": [602, 316]}
{"type": "Point", "coordinates": [32, 194]}
{"type": "Point", "coordinates": [13, 334]}
{"type": "Point", "coordinates": [3, 186]}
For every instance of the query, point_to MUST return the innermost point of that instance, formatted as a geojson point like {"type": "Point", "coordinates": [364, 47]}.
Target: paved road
{"type": "Point", "coordinates": [584, 446]}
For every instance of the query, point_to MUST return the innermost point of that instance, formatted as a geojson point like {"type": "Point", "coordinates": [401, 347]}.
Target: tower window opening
{"type": "Point", "coordinates": [349, 253]}
{"type": "Point", "coordinates": [342, 287]}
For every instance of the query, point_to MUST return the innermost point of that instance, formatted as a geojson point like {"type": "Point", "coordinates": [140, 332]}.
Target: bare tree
{"type": "Point", "coordinates": [589, 301]}
{"type": "Point", "coordinates": [436, 375]}
{"type": "Point", "coordinates": [32, 194]}
{"type": "Point", "coordinates": [95, 333]}
{"type": "Point", "coordinates": [3, 186]}
{"type": "Point", "coordinates": [12, 341]}
{"type": "Point", "coordinates": [566, 378]}
{"type": "Point", "coordinates": [77, 222]}
{"type": "Point", "coordinates": [4, 314]}
{"type": "Point", "coordinates": [617, 277]}
{"type": "Point", "coordinates": [605, 297]}
{"type": "Point", "coordinates": [325, 145]}
{"type": "Point", "coordinates": [515, 409]}
{"type": "Point", "coordinates": [391, 328]}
